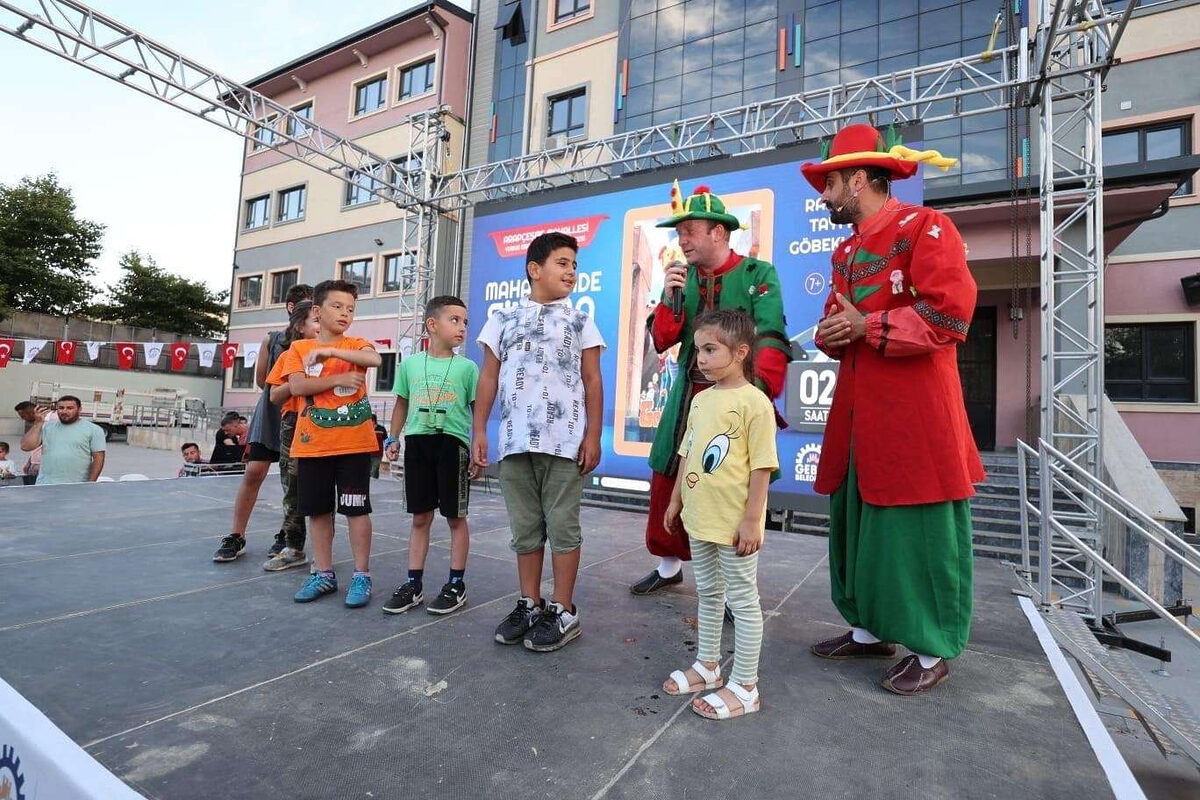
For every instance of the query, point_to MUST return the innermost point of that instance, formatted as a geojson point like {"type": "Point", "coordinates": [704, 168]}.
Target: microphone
{"type": "Point", "coordinates": [677, 295]}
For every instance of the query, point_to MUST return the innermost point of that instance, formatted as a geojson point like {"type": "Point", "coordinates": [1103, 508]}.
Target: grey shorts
{"type": "Point", "coordinates": [542, 493]}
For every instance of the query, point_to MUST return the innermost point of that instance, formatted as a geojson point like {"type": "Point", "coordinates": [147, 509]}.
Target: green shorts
{"type": "Point", "coordinates": [542, 493]}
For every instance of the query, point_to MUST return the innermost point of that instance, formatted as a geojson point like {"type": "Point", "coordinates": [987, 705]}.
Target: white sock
{"type": "Point", "coordinates": [864, 636]}
{"type": "Point", "coordinates": [668, 567]}
{"type": "Point", "coordinates": [927, 662]}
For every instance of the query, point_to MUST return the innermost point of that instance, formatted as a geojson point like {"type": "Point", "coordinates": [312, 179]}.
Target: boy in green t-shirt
{"type": "Point", "coordinates": [435, 392]}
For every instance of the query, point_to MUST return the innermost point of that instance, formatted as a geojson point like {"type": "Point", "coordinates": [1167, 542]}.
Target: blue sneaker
{"type": "Point", "coordinates": [316, 586]}
{"type": "Point", "coordinates": [359, 593]}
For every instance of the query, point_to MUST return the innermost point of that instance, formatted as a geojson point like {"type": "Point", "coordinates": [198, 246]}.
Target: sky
{"type": "Point", "coordinates": [160, 180]}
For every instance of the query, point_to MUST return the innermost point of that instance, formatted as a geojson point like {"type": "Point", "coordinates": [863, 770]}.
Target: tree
{"type": "Point", "coordinates": [147, 296]}
{"type": "Point", "coordinates": [46, 250]}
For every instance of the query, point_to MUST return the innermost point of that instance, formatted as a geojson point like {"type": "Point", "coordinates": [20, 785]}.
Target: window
{"type": "Point", "coordinates": [358, 272]}
{"type": "Point", "coordinates": [568, 114]}
{"type": "Point", "coordinates": [1136, 145]}
{"type": "Point", "coordinates": [281, 284]}
{"type": "Point", "coordinates": [570, 9]}
{"type": "Point", "coordinates": [243, 376]}
{"type": "Point", "coordinates": [416, 80]}
{"type": "Point", "coordinates": [258, 212]}
{"type": "Point", "coordinates": [408, 163]}
{"type": "Point", "coordinates": [250, 291]}
{"type": "Point", "coordinates": [296, 129]}
{"type": "Point", "coordinates": [370, 96]}
{"type": "Point", "coordinates": [291, 204]}
{"type": "Point", "coordinates": [385, 373]}
{"type": "Point", "coordinates": [264, 134]}
{"type": "Point", "coordinates": [399, 272]}
{"type": "Point", "coordinates": [1150, 362]}
{"type": "Point", "coordinates": [1189, 515]}
{"type": "Point", "coordinates": [361, 188]}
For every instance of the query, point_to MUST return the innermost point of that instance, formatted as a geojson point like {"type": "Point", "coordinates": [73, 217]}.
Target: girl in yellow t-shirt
{"type": "Point", "coordinates": [726, 461]}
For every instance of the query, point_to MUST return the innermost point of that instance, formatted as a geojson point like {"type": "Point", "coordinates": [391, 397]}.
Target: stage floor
{"type": "Point", "coordinates": [190, 679]}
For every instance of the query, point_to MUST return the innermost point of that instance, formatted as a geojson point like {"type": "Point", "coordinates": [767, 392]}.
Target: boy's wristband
{"type": "Point", "coordinates": [389, 441]}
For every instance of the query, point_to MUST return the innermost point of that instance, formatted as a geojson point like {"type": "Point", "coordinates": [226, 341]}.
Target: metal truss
{"type": "Point", "coordinates": [86, 37]}
{"type": "Point", "coordinates": [420, 226]}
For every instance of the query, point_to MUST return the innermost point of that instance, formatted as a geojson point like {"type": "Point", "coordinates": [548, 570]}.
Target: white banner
{"type": "Point", "coordinates": [93, 349]}
{"type": "Point", "coordinates": [153, 351]}
{"type": "Point", "coordinates": [207, 351]}
{"type": "Point", "coordinates": [32, 348]}
{"type": "Point", "coordinates": [40, 762]}
{"type": "Point", "coordinates": [250, 353]}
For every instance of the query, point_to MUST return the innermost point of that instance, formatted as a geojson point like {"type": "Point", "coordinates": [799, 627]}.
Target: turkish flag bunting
{"type": "Point", "coordinates": [126, 355]}
{"type": "Point", "coordinates": [386, 344]}
{"type": "Point", "coordinates": [229, 352]}
{"type": "Point", "coordinates": [6, 348]}
{"type": "Point", "coordinates": [65, 353]}
{"type": "Point", "coordinates": [179, 355]}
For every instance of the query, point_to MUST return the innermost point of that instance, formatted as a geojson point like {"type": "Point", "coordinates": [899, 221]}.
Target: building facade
{"type": "Point", "coordinates": [298, 225]}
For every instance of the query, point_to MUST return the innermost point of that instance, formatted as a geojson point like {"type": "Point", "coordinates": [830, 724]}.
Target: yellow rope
{"type": "Point", "coordinates": [925, 156]}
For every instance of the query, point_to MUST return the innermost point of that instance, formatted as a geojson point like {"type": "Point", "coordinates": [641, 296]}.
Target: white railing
{"type": "Point", "coordinates": [1061, 548]}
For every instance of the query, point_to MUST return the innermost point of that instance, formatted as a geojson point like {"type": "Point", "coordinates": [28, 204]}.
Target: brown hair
{"type": "Point", "coordinates": [733, 327]}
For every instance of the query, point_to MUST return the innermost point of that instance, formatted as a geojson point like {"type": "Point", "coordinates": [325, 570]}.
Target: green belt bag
{"type": "Point", "coordinates": [355, 413]}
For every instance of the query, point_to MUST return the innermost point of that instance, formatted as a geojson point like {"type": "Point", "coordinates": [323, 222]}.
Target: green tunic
{"type": "Point", "coordinates": [752, 286]}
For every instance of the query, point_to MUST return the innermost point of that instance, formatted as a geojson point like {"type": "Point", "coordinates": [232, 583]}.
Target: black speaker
{"type": "Point", "coordinates": [1191, 289]}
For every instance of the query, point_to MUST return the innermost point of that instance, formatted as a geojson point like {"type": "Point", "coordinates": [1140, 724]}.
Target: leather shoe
{"type": "Point", "coordinates": [908, 677]}
{"type": "Point", "coordinates": [653, 582]}
{"type": "Point", "coordinates": [844, 647]}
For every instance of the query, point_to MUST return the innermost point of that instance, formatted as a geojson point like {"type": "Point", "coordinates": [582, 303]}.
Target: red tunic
{"type": "Point", "coordinates": [898, 396]}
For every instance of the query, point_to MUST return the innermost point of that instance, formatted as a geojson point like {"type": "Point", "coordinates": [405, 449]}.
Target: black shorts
{"type": "Point", "coordinates": [343, 482]}
{"type": "Point", "coordinates": [436, 474]}
{"type": "Point", "coordinates": [260, 452]}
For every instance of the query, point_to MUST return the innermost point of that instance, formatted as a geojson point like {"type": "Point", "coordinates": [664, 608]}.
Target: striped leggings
{"type": "Point", "coordinates": [722, 576]}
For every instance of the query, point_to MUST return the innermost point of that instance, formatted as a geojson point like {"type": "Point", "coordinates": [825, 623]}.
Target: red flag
{"type": "Point", "coordinates": [179, 355]}
{"type": "Point", "coordinates": [65, 352]}
{"type": "Point", "coordinates": [229, 352]}
{"type": "Point", "coordinates": [126, 355]}
{"type": "Point", "coordinates": [386, 344]}
{"type": "Point", "coordinates": [6, 348]}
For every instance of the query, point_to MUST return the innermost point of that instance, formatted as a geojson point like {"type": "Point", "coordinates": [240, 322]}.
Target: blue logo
{"type": "Point", "coordinates": [814, 284]}
{"type": "Point", "coordinates": [11, 779]}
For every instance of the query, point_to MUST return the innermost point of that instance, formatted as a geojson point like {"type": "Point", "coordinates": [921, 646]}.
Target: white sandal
{"type": "Point", "coordinates": [748, 699]}
{"type": "Point", "coordinates": [711, 678]}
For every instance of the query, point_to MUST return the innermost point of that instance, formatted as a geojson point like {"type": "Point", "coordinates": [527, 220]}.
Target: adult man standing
{"type": "Point", "coordinates": [714, 277]}
{"type": "Point", "coordinates": [898, 457]}
{"type": "Point", "coordinates": [72, 448]}
{"type": "Point", "coordinates": [27, 411]}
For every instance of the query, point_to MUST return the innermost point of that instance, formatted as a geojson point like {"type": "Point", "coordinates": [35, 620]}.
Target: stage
{"type": "Point", "coordinates": [190, 679]}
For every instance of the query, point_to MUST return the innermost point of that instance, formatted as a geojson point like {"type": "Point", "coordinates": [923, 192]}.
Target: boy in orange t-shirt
{"type": "Point", "coordinates": [334, 439]}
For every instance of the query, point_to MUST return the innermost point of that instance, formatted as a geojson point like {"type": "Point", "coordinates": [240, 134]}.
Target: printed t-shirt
{"type": "Point", "coordinates": [730, 433]}
{"type": "Point", "coordinates": [294, 404]}
{"type": "Point", "coordinates": [540, 347]}
{"type": "Point", "coordinates": [337, 421]}
{"type": "Point", "coordinates": [439, 393]}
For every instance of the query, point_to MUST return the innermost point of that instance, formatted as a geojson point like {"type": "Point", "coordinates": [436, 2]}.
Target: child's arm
{"type": "Point", "coordinates": [485, 397]}
{"type": "Point", "coordinates": [301, 385]}
{"type": "Point", "coordinates": [280, 394]}
{"type": "Point", "coordinates": [593, 398]}
{"type": "Point", "coordinates": [399, 414]}
{"type": "Point", "coordinates": [363, 357]}
{"type": "Point", "coordinates": [675, 507]}
{"type": "Point", "coordinates": [749, 535]}
{"type": "Point", "coordinates": [261, 367]}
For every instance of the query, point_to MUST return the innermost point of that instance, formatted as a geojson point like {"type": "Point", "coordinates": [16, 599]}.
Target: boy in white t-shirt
{"type": "Point", "coordinates": [8, 469]}
{"type": "Point", "coordinates": [542, 357]}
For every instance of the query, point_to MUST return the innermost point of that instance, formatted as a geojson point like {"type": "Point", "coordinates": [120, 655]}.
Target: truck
{"type": "Point", "coordinates": [115, 409]}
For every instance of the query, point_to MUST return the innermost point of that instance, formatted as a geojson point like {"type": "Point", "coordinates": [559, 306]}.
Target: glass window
{"type": "Point", "coordinates": [568, 114]}
{"type": "Point", "coordinates": [281, 284]}
{"type": "Point", "coordinates": [638, 8]}
{"type": "Point", "coordinates": [385, 373]}
{"type": "Point", "coordinates": [859, 14]}
{"type": "Point", "coordinates": [295, 128]}
{"type": "Point", "coordinates": [291, 203]}
{"type": "Point", "coordinates": [670, 27]}
{"type": "Point", "coordinates": [250, 291]}
{"type": "Point", "coordinates": [1149, 144]}
{"type": "Point", "coordinates": [930, 5]}
{"type": "Point", "coordinates": [1164, 143]}
{"type": "Point", "coordinates": [641, 70]}
{"type": "Point", "coordinates": [823, 21]}
{"type": "Point", "coordinates": [897, 38]}
{"type": "Point", "coordinates": [761, 38]}
{"type": "Point", "coordinates": [821, 56]}
{"type": "Point", "coordinates": [978, 16]}
{"type": "Point", "coordinates": [821, 81]}
{"type": "Point", "coordinates": [258, 212]}
{"type": "Point", "coordinates": [243, 376]}
{"type": "Point", "coordinates": [641, 36]}
{"type": "Point", "coordinates": [727, 47]}
{"type": "Point", "coordinates": [759, 10]}
{"type": "Point", "coordinates": [729, 14]}
{"type": "Point", "coordinates": [406, 164]}
{"type": "Point", "coordinates": [859, 47]}
{"type": "Point", "coordinates": [727, 101]}
{"type": "Point", "coordinates": [666, 94]}
{"type": "Point", "coordinates": [570, 9]}
{"type": "Point", "coordinates": [895, 9]}
{"type": "Point", "coordinates": [370, 96]}
{"type": "Point", "coordinates": [726, 79]}
{"type": "Point", "coordinates": [417, 79]}
{"type": "Point", "coordinates": [399, 272]}
{"type": "Point", "coordinates": [759, 95]}
{"type": "Point", "coordinates": [699, 109]}
{"type": "Point", "coordinates": [1151, 362]}
{"type": "Point", "coordinates": [698, 20]}
{"type": "Point", "coordinates": [668, 63]}
{"type": "Point", "coordinates": [664, 116]}
{"type": "Point", "coordinates": [264, 134]}
{"type": "Point", "coordinates": [640, 100]}
{"type": "Point", "coordinates": [698, 85]}
{"type": "Point", "coordinates": [758, 71]}
{"type": "Point", "coordinates": [939, 28]}
{"type": "Point", "coordinates": [358, 272]}
{"type": "Point", "coordinates": [360, 190]}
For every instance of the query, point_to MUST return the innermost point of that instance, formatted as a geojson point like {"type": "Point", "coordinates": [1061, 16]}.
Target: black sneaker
{"type": "Point", "coordinates": [554, 628]}
{"type": "Point", "coordinates": [518, 622]}
{"type": "Point", "coordinates": [278, 545]}
{"type": "Point", "coordinates": [451, 598]}
{"type": "Point", "coordinates": [407, 595]}
{"type": "Point", "coordinates": [231, 547]}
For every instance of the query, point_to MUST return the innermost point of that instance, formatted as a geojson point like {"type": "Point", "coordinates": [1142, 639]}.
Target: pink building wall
{"type": "Point", "coordinates": [1010, 366]}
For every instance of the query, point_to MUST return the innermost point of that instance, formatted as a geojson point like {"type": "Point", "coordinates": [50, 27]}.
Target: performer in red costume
{"type": "Point", "coordinates": [898, 456]}
{"type": "Point", "coordinates": [713, 277]}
